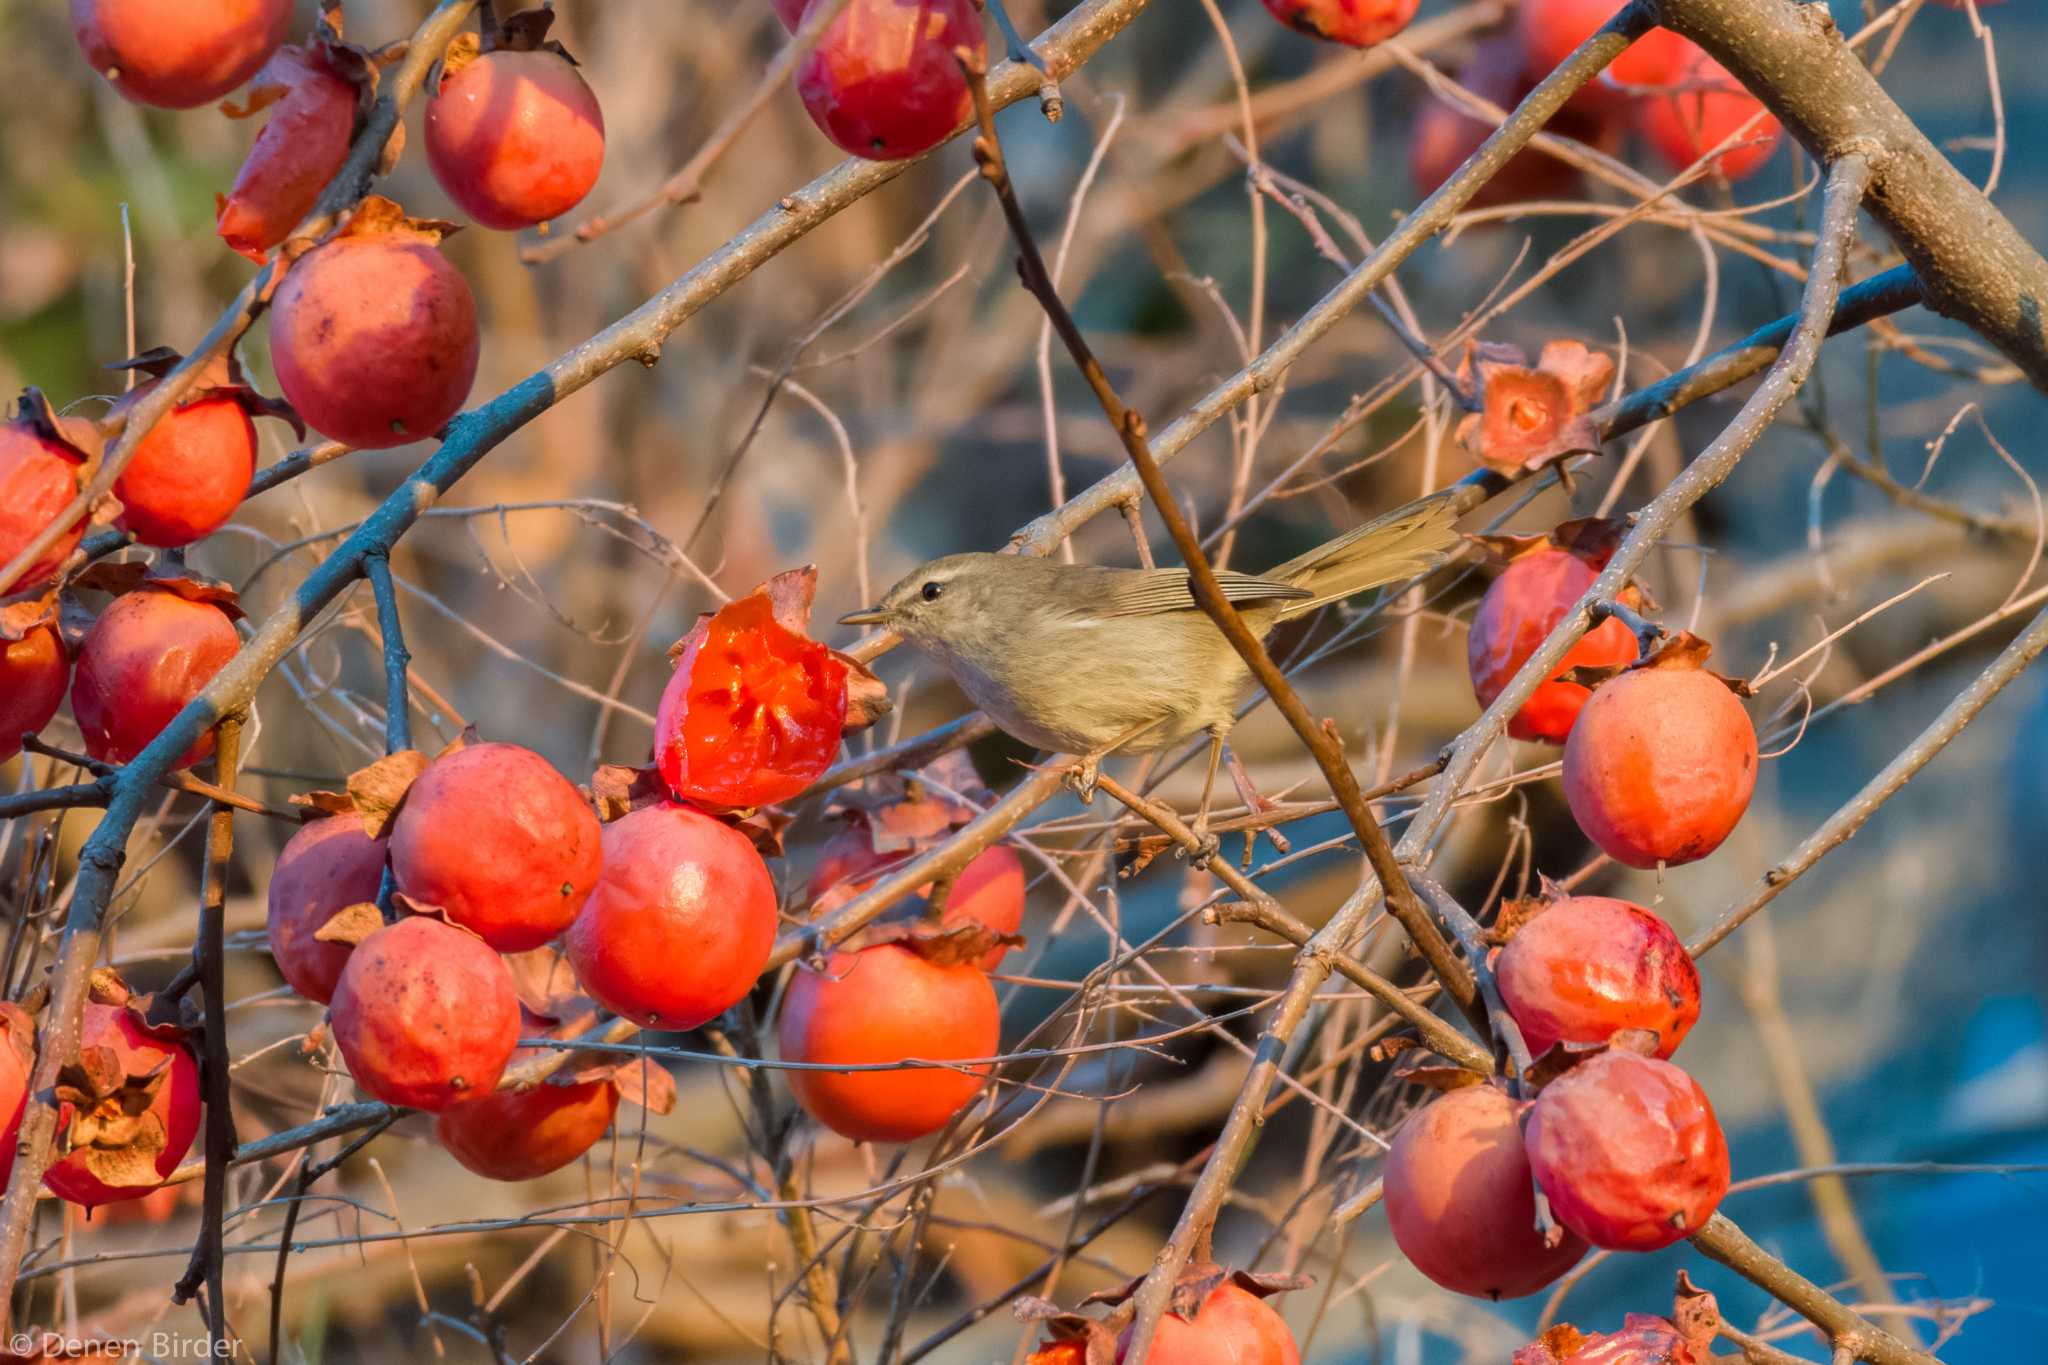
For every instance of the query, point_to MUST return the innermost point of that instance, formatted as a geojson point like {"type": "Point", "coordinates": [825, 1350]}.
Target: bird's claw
{"type": "Point", "coordinates": [1082, 778]}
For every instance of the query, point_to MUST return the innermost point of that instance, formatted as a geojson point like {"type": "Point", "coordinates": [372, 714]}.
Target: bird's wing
{"type": "Point", "coordinates": [1149, 592]}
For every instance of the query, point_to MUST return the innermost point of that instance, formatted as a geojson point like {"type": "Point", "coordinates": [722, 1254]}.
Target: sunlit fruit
{"type": "Point", "coordinates": [129, 1109]}
{"type": "Point", "coordinates": [1460, 1201]}
{"type": "Point", "coordinates": [1357, 23]}
{"type": "Point", "coordinates": [884, 1005]}
{"type": "Point", "coordinates": [39, 477]}
{"type": "Point", "coordinates": [1231, 1326]}
{"type": "Point", "coordinates": [189, 472]}
{"type": "Point", "coordinates": [301, 147]}
{"type": "Point", "coordinates": [149, 653]}
{"type": "Point", "coordinates": [1550, 30]}
{"type": "Point", "coordinates": [514, 137]}
{"type": "Point", "coordinates": [1587, 967]}
{"type": "Point", "coordinates": [1519, 609]}
{"type": "Point", "coordinates": [681, 922]}
{"type": "Point", "coordinates": [883, 81]}
{"type": "Point", "coordinates": [1704, 106]}
{"type": "Point", "coordinates": [525, 1134]}
{"type": "Point", "coordinates": [1628, 1152]}
{"type": "Point", "coordinates": [425, 1014]}
{"type": "Point", "coordinates": [178, 56]}
{"type": "Point", "coordinates": [35, 670]}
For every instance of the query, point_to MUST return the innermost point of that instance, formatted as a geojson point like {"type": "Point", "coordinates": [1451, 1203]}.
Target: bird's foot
{"type": "Point", "coordinates": [1083, 775]}
{"type": "Point", "coordinates": [1207, 845]}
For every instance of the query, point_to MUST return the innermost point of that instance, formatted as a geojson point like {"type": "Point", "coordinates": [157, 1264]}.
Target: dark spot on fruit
{"type": "Point", "coordinates": [567, 889]}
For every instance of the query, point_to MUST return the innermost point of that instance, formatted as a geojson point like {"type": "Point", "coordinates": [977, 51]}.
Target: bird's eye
{"type": "Point", "coordinates": [931, 591]}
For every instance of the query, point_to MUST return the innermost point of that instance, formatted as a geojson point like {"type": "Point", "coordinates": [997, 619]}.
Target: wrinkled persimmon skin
{"type": "Point", "coordinates": [1233, 1326]}
{"type": "Point", "coordinates": [299, 150]}
{"type": "Point", "coordinates": [1521, 607]}
{"type": "Point", "coordinates": [1357, 23]}
{"type": "Point", "coordinates": [1441, 136]}
{"type": "Point", "coordinates": [189, 474]}
{"type": "Point", "coordinates": [374, 339]}
{"type": "Point", "coordinates": [38, 479]}
{"type": "Point", "coordinates": [1549, 31]}
{"type": "Point", "coordinates": [989, 891]}
{"type": "Point", "coordinates": [34, 673]}
{"type": "Point", "coordinates": [752, 714]}
{"type": "Point", "coordinates": [148, 654]}
{"type": "Point", "coordinates": [178, 56]}
{"type": "Point", "coordinates": [1628, 1151]}
{"type": "Point", "coordinates": [681, 922]}
{"type": "Point", "coordinates": [883, 82]}
{"type": "Point", "coordinates": [1706, 106]}
{"type": "Point", "coordinates": [177, 1104]}
{"type": "Point", "coordinates": [327, 866]}
{"type": "Point", "coordinates": [1589, 966]}
{"type": "Point", "coordinates": [425, 1014]}
{"type": "Point", "coordinates": [498, 839]}
{"type": "Point", "coordinates": [1460, 1201]}
{"type": "Point", "coordinates": [886, 1004]}
{"type": "Point", "coordinates": [516, 138]}
{"type": "Point", "coordinates": [525, 1134]}
{"type": "Point", "coordinates": [1660, 766]}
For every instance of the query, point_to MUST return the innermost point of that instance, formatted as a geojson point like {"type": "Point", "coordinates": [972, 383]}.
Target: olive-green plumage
{"type": "Point", "coordinates": [1080, 659]}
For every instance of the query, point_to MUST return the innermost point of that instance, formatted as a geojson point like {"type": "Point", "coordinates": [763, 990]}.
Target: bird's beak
{"type": "Point", "coordinates": [866, 616]}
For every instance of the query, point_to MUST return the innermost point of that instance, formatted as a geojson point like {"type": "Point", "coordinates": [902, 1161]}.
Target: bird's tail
{"type": "Point", "coordinates": [1404, 543]}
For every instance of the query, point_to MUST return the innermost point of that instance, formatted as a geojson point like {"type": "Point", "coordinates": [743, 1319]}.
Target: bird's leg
{"type": "Point", "coordinates": [1089, 765]}
{"type": "Point", "coordinates": [1208, 842]}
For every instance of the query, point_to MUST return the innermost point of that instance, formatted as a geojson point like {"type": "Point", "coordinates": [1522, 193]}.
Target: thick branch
{"type": "Point", "coordinates": [1973, 264]}
{"type": "Point", "coordinates": [1846, 1330]}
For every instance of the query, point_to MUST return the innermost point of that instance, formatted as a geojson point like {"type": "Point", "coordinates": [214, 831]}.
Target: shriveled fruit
{"type": "Point", "coordinates": [1519, 609]}
{"type": "Point", "coordinates": [515, 137]}
{"type": "Point", "coordinates": [1442, 136]}
{"type": "Point", "coordinates": [299, 150]}
{"type": "Point", "coordinates": [883, 82]}
{"type": "Point", "coordinates": [148, 654]}
{"type": "Point", "coordinates": [39, 476]}
{"type": "Point", "coordinates": [35, 669]}
{"type": "Point", "coordinates": [883, 1005]}
{"type": "Point", "coordinates": [130, 1104]}
{"type": "Point", "coordinates": [1587, 967]}
{"type": "Point", "coordinates": [524, 1134]}
{"type": "Point", "coordinates": [1358, 23]}
{"type": "Point", "coordinates": [178, 56]}
{"type": "Point", "coordinates": [373, 333]}
{"type": "Point", "coordinates": [495, 837]}
{"type": "Point", "coordinates": [1704, 106]}
{"type": "Point", "coordinates": [327, 866]}
{"type": "Point", "coordinates": [1549, 30]}
{"type": "Point", "coordinates": [681, 921]}
{"type": "Point", "coordinates": [1460, 1201]}
{"type": "Point", "coordinates": [752, 714]}
{"type": "Point", "coordinates": [1628, 1151]}
{"type": "Point", "coordinates": [988, 891]}
{"type": "Point", "coordinates": [1644, 1339]}
{"type": "Point", "coordinates": [1662, 761]}
{"type": "Point", "coordinates": [1232, 1326]}
{"type": "Point", "coordinates": [189, 472]}
{"type": "Point", "coordinates": [425, 1014]}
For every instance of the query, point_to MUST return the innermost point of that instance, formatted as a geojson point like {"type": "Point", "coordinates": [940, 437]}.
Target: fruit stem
{"type": "Point", "coordinates": [1647, 632]}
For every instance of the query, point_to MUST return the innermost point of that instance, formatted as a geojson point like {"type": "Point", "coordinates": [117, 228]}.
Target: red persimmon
{"type": "Point", "coordinates": [1356, 23]}
{"type": "Point", "coordinates": [681, 921]}
{"type": "Point", "coordinates": [502, 843]}
{"type": "Point", "coordinates": [514, 137]}
{"type": "Point", "coordinates": [1519, 609]}
{"type": "Point", "coordinates": [1443, 136]}
{"type": "Point", "coordinates": [1628, 1151]}
{"type": "Point", "coordinates": [989, 891]}
{"type": "Point", "coordinates": [1704, 106]}
{"type": "Point", "coordinates": [1587, 967]}
{"type": "Point", "coordinates": [1460, 1201]}
{"type": "Point", "coordinates": [879, 1006]}
{"type": "Point", "coordinates": [425, 1014]}
{"type": "Point", "coordinates": [39, 476]}
{"type": "Point", "coordinates": [753, 712]}
{"type": "Point", "coordinates": [373, 333]}
{"type": "Point", "coordinates": [178, 56]}
{"type": "Point", "coordinates": [299, 150]}
{"type": "Point", "coordinates": [129, 1117]}
{"type": "Point", "coordinates": [327, 866]}
{"type": "Point", "coordinates": [1662, 761]}
{"type": "Point", "coordinates": [1550, 30]}
{"type": "Point", "coordinates": [35, 670]}
{"type": "Point", "coordinates": [883, 81]}
{"type": "Point", "coordinates": [148, 654]}
{"type": "Point", "coordinates": [1232, 1326]}
{"type": "Point", "coordinates": [189, 472]}
{"type": "Point", "coordinates": [525, 1134]}
{"type": "Point", "coordinates": [17, 1061]}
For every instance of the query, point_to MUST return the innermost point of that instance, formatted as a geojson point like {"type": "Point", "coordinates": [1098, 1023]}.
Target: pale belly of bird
{"type": "Point", "coordinates": [1180, 683]}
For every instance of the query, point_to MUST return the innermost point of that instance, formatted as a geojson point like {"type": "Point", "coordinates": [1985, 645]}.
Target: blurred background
{"type": "Point", "coordinates": [1889, 1008]}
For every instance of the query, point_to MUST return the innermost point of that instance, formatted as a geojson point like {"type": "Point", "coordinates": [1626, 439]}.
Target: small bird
{"type": "Point", "coordinates": [1085, 660]}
